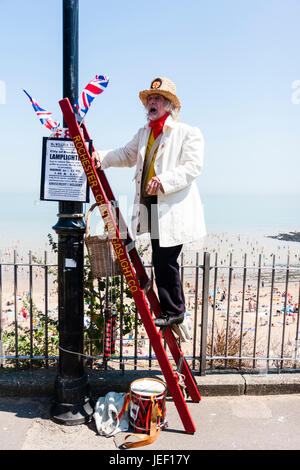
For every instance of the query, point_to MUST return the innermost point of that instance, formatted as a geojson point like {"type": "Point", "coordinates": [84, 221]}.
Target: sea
{"type": "Point", "coordinates": [26, 221]}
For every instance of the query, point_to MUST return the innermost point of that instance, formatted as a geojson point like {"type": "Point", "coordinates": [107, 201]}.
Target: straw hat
{"type": "Point", "coordinates": [161, 86]}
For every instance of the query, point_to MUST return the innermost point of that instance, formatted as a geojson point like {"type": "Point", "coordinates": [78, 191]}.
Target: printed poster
{"type": "Point", "coordinates": [63, 177]}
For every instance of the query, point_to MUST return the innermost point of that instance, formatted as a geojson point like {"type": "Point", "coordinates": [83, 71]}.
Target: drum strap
{"type": "Point", "coordinates": [145, 439]}
{"type": "Point", "coordinates": [125, 406]}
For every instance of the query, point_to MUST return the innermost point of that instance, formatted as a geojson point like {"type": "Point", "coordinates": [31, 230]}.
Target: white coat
{"type": "Point", "coordinates": [178, 162]}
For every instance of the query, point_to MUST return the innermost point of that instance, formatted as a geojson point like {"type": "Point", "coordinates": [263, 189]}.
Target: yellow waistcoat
{"type": "Point", "coordinates": [151, 171]}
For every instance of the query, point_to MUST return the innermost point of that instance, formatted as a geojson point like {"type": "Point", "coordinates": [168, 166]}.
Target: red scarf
{"type": "Point", "coordinates": [158, 125]}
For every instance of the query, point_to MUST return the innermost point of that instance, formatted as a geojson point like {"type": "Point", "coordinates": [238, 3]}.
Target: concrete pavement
{"type": "Point", "coordinates": [243, 422]}
{"type": "Point", "coordinates": [237, 411]}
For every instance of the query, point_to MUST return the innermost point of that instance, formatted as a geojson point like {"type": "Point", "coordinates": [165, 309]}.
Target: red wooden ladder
{"type": "Point", "coordinates": [137, 278]}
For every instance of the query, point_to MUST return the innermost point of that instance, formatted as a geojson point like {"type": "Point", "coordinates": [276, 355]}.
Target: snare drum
{"type": "Point", "coordinates": [144, 393]}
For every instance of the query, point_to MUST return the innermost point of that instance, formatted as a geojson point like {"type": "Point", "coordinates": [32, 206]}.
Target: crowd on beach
{"type": "Point", "coordinates": [228, 248]}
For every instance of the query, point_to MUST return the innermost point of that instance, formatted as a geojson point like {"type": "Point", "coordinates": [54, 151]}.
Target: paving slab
{"type": "Point", "coordinates": [271, 384]}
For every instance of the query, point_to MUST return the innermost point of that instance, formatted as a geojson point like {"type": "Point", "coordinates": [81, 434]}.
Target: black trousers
{"type": "Point", "coordinates": [166, 267]}
{"type": "Point", "coordinates": [167, 278]}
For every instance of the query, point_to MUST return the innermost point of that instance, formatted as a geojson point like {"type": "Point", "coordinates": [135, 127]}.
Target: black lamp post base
{"type": "Point", "coordinates": [72, 415]}
{"type": "Point", "coordinates": [72, 403]}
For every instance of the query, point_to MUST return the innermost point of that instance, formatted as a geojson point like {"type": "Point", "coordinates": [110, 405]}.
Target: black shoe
{"type": "Point", "coordinates": [167, 320]}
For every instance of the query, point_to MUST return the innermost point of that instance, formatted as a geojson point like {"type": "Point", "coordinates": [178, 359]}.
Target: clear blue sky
{"type": "Point", "coordinates": [233, 61]}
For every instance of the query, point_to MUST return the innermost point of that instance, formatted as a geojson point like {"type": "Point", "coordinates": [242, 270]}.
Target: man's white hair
{"type": "Point", "coordinates": [172, 110]}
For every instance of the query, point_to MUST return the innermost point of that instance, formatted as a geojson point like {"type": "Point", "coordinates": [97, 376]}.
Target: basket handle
{"type": "Point", "coordinates": [87, 230]}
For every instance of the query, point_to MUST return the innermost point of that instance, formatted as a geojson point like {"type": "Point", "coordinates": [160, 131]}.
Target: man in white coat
{"type": "Point", "coordinates": [168, 156]}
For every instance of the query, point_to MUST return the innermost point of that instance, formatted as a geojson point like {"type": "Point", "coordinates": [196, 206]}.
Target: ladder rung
{"type": "Point", "coordinates": [147, 286]}
{"type": "Point", "coordinates": [130, 246]}
{"type": "Point", "coordinates": [180, 362]}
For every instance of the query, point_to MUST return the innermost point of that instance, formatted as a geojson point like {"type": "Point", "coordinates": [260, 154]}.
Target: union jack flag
{"type": "Point", "coordinates": [43, 115]}
{"type": "Point", "coordinates": [93, 88]}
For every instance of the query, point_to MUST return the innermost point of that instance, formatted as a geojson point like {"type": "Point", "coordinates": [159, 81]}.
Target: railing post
{"type": "Point", "coordinates": [204, 317]}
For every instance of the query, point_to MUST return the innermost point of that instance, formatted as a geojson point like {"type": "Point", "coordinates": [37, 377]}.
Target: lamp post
{"type": "Point", "coordinates": [72, 399]}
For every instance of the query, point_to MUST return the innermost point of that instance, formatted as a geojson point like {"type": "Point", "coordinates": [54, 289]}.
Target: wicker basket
{"type": "Point", "coordinates": [103, 259]}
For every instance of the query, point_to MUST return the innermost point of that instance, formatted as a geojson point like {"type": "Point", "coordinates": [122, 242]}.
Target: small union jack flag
{"type": "Point", "coordinates": [93, 88]}
{"type": "Point", "coordinates": [43, 115]}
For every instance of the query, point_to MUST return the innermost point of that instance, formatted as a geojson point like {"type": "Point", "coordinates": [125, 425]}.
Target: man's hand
{"type": "Point", "coordinates": [154, 185]}
{"type": "Point", "coordinates": [96, 159]}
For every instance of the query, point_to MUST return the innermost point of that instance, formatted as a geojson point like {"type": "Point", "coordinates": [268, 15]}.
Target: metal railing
{"type": "Point", "coordinates": [12, 316]}
{"type": "Point", "coordinates": [239, 316]}
{"type": "Point", "coordinates": [263, 344]}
